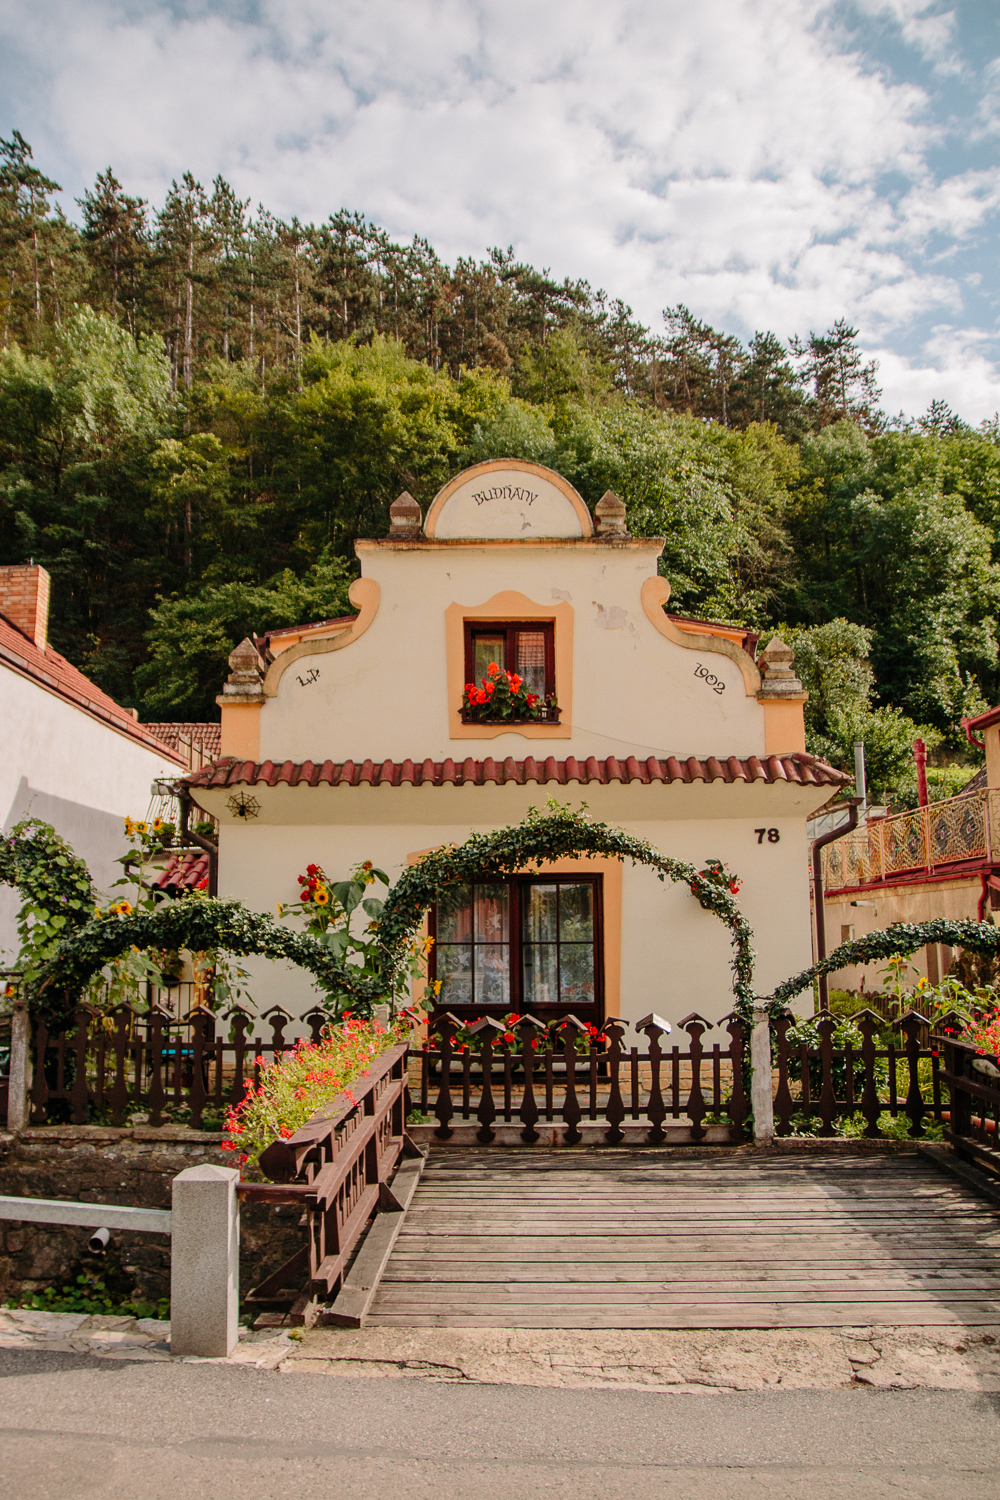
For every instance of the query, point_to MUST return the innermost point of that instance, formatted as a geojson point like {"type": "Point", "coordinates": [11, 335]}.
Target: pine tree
{"type": "Point", "coordinates": [115, 236]}
{"type": "Point", "coordinates": [843, 385]}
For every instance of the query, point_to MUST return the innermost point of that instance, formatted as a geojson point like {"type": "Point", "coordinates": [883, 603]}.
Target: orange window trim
{"type": "Point", "coordinates": [611, 870]}
{"type": "Point", "coordinates": [515, 607]}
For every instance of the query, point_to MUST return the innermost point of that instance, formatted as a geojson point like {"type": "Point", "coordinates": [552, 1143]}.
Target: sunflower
{"type": "Point", "coordinates": [157, 825]}
{"type": "Point", "coordinates": [322, 897]}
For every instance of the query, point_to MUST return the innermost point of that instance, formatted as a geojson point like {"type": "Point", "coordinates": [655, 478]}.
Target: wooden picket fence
{"type": "Point", "coordinates": [111, 1064]}
{"type": "Point", "coordinates": [532, 1081]}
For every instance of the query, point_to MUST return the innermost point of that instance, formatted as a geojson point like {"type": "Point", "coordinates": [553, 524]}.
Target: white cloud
{"type": "Point", "coordinates": [732, 155]}
{"type": "Point", "coordinates": [957, 370]}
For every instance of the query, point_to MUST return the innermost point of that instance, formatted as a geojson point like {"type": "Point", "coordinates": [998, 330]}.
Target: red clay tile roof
{"type": "Point", "coordinates": [208, 736]}
{"type": "Point", "coordinates": [800, 769]}
{"type": "Point", "coordinates": [54, 673]}
{"type": "Point", "coordinates": [184, 872]}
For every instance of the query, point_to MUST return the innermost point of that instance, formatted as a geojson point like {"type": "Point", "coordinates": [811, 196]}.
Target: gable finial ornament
{"type": "Point", "coordinates": [404, 518]}
{"type": "Point", "coordinates": [609, 513]}
{"type": "Point", "coordinates": [245, 683]}
{"type": "Point", "coordinates": [776, 662]}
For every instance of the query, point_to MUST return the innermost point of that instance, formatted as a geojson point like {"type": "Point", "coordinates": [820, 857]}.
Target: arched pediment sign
{"type": "Point", "coordinates": [507, 500]}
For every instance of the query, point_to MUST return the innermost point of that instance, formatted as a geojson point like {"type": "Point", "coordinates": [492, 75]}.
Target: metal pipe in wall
{"type": "Point", "coordinates": [853, 805]}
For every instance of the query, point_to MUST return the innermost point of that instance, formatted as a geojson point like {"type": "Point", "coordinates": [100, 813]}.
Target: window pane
{"type": "Point", "coordinates": [576, 974]}
{"type": "Point", "coordinates": [492, 914]}
{"type": "Point", "coordinates": [485, 650]}
{"type": "Point", "coordinates": [541, 974]}
{"type": "Point", "coordinates": [531, 660]}
{"type": "Point", "coordinates": [576, 913]}
{"type": "Point", "coordinates": [454, 915]}
{"type": "Point", "coordinates": [492, 974]}
{"type": "Point", "coordinates": [540, 914]}
{"type": "Point", "coordinates": [454, 969]}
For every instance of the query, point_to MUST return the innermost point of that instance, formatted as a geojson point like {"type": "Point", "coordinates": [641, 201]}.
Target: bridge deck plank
{"type": "Point", "coordinates": [537, 1238]}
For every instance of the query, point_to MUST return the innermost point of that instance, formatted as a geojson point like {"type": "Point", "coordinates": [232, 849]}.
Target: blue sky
{"type": "Point", "coordinates": [770, 163]}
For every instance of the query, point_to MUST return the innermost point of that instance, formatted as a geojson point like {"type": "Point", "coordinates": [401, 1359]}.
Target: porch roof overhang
{"type": "Point", "coordinates": [800, 769]}
{"type": "Point", "coordinates": [648, 788]}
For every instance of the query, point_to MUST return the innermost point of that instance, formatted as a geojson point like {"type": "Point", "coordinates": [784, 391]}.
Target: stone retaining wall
{"type": "Point", "coordinates": [135, 1166]}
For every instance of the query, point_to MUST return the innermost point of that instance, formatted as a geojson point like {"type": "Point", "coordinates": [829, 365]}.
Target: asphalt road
{"type": "Point", "coordinates": [73, 1426]}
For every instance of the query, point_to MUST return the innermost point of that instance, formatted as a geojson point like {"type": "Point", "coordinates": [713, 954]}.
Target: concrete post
{"type": "Point", "coordinates": [761, 1098]}
{"type": "Point", "coordinates": [204, 1262]}
{"type": "Point", "coordinates": [17, 1083]}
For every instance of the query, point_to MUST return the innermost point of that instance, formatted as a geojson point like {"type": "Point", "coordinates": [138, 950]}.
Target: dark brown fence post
{"type": "Point", "coordinates": [783, 1103]}
{"type": "Point", "coordinates": [316, 1020]}
{"type": "Point", "coordinates": [491, 1032]}
{"type": "Point", "coordinates": [241, 1021]}
{"type": "Point", "coordinates": [79, 1094]}
{"type": "Point", "coordinates": [913, 1025]}
{"type": "Point", "coordinates": [118, 1096]}
{"type": "Point", "coordinates": [572, 1114]}
{"type": "Point", "coordinates": [156, 1094]}
{"type": "Point", "coordinates": [868, 1023]}
{"type": "Point", "coordinates": [826, 1025]}
{"type": "Point", "coordinates": [615, 1112]}
{"type": "Point", "coordinates": [39, 1087]}
{"type": "Point", "coordinates": [443, 1108]}
{"type": "Point", "coordinates": [696, 1026]}
{"type": "Point", "coordinates": [737, 1099]}
{"type": "Point", "coordinates": [198, 1020]}
{"type": "Point", "coordinates": [278, 1019]}
{"type": "Point", "coordinates": [530, 1030]}
{"type": "Point", "coordinates": [654, 1027]}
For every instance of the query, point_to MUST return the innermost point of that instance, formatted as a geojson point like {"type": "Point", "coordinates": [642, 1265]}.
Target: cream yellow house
{"type": "Point", "coordinates": [346, 740]}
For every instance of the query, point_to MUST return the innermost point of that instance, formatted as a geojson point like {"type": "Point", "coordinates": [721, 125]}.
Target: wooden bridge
{"type": "Point", "coordinates": [688, 1238]}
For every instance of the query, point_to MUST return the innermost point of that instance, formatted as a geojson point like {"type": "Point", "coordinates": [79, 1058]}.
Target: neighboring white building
{"type": "Point", "coordinates": [346, 740]}
{"type": "Point", "coordinates": [69, 754]}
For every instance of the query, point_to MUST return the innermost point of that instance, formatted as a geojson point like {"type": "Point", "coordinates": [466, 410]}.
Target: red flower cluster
{"type": "Point", "coordinates": [496, 678]}
{"type": "Point", "coordinates": [314, 886]}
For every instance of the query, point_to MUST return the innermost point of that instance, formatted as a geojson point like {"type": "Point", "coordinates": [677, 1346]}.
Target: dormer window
{"type": "Point", "coordinates": [525, 647]}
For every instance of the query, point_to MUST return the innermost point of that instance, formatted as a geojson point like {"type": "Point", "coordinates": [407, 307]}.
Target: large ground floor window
{"type": "Point", "coordinates": [529, 944]}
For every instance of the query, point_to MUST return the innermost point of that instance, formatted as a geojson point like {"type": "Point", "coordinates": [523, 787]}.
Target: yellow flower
{"type": "Point", "coordinates": [142, 827]}
{"type": "Point", "coordinates": [157, 825]}
{"type": "Point", "coordinates": [322, 897]}
{"type": "Point", "coordinates": [129, 827]}
{"type": "Point", "coordinates": [98, 912]}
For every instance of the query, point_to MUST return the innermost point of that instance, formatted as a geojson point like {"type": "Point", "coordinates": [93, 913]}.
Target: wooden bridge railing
{"type": "Point", "coordinates": [974, 1084]}
{"type": "Point", "coordinates": [337, 1168]}
{"type": "Point", "coordinates": [530, 1080]}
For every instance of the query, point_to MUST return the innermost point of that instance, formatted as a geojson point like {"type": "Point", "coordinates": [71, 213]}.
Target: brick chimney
{"type": "Point", "coordinates": [24, 600]}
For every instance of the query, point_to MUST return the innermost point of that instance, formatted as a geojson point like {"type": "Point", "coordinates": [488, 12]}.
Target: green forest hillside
{"type": "Point", "coordinates": [201, 409]}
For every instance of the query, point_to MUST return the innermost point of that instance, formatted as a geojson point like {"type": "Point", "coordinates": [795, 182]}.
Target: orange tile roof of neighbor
{"type": "Point", "coordinates": [208, 736]}
{"type": "Point", "coordinates": [800, 769]}
{"type": "Point", "coordinates": [54, 673]}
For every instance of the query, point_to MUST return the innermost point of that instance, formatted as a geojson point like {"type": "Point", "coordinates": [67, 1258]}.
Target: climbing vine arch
{"type": "Point", "coordinates": [558, 833]}
{"type": "Point", "coordinates": [904, 938]}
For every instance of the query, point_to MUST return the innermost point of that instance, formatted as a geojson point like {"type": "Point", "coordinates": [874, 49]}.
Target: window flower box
{"type": "Point", "coordinates": [503, 698]}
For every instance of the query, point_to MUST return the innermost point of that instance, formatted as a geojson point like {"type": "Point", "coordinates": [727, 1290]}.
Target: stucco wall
{"type": "Point", "coordinates": [59, 764]}
{"type": "Point", "coordinates": [675, 956]}
{"type": "Point", "coordinates": [633, 691]}
{"type": "Point", "coordinates": [953, 900]}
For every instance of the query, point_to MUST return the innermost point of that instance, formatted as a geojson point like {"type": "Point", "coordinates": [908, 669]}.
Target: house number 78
{"type": "Point", "coordinates": [773, 836]}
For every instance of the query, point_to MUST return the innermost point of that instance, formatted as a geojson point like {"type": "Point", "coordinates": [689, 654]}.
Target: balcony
{"type": "Point", "coordinates": [953, 832]}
